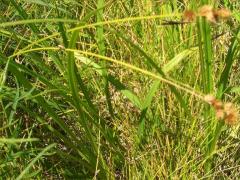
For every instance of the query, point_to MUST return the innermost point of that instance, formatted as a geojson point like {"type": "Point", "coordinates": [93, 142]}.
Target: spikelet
{"type": "Point", "coordinates": [209, 99]}
{"type": "Point", "coordinates": [224, 111]}
{"type": "Point", "coordinates": [231, 114]}
{"type": "Point", "coordinates": [208, 12]}
{"type": "Point", "coordinates": [222, 13]}
{"type": "Point", "coordinates": [212, 15]}
{"type": "Point", "coordinates": [189, 16]}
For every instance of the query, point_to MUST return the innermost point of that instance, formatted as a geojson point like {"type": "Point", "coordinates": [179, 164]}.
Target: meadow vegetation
{"type": "Point", "coordinates": [127, 89]}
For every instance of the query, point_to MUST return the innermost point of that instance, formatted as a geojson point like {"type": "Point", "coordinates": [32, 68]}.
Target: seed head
{"type": "Point", "coordinates": [189, 16]}
{"type": "Point", "coordinates": [231, 114]}
{"type": "Point", "coordinates": [228, 107]}
{"type": "Point", "coordinates": [207, 11]}
{"type": "Point", "coordinates": [213, 15]}
{"type": "Point", "coordinates": [217, 104]}
{"type": "Point", "coordinates": [222, 13]}
{"type": "Point", "coordinates": [209, 98]}
{"type": "Point", "coordinates": [220, 114]}
{"type": "Point", "coordinates": [224, 111]}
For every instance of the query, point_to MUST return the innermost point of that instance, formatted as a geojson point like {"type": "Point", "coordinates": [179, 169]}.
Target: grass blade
{"type": "Point", "coordinates": [34, 161]}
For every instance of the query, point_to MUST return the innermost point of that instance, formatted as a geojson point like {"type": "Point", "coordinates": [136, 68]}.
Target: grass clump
{"type": "Point", "coordinates": [119, 89]}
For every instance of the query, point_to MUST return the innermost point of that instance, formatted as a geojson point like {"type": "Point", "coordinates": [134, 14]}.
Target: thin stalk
{"type": "Point", "coordinates": [206, 58]}
{"type": "Point", "coordinates": [101, 48]}
{"type": "Point", "coordinates": [84, 26]}
{"type": "Point", "coordinates": [168, 81]}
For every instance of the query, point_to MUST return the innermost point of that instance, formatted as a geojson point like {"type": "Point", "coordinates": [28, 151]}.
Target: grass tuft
{"type": "Point", "coordinates": [104, 89]}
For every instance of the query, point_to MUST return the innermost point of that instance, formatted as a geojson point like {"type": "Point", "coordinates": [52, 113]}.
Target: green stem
{"type": "Point", "coordinates": [212, 146]}
{"type": "Point", "coordinates": [101, 48]}
{"type": "Point", "coordinates": [206, 58]}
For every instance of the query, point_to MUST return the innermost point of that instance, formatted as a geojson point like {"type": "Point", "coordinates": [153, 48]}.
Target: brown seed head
{"type": "Point", "coordinates": [209, 98]}
{"type": "Point", "coordinates": [231, 117]}
{"type": "Point", "coordinates": [217, 104]}
{"type": "Point", "coordinates": [231, 114]}
{"type": "Point", "coordinates": [208, 12]}
{"type": "Point", "coordinates": [222, 13]}
{"type": "Point", "coordinates": [220, 114]}
{"type": "Point", "coordinates": [226, 111]}
{"type": "Point", "coordinates": [189, 16]}
{"type": "Point", "coordinates": [228, 107]}
{"type": "Point", "coordinates": [205, 10]}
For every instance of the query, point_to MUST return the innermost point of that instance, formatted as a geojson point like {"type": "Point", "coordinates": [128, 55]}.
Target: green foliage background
{"type": "Point", "coordinates": [109, 89]}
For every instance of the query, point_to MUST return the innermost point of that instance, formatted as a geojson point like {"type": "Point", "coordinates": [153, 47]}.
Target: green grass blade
{"type": "Point", "coordinates": [151, 93]}
{"type": "Point", "coordinates": [25, 171]}
{"type": "Point", "coordinates": [24, 15]}
{"type": "Point", "coordinates": [116, 83]}
{"type": "Point", "coordinates": [14, 140]}
{"type": "Point", "coordinates": [151, 64]}
{"type": "Point", "coordinates": [101, 48]}
{"type": "Point", "coordinates": [125, 91]}
{"type": "Point", "coordinates": [177, 59]}
{"type": "Point", "coordinates": [229, 60]}
{"type": "Point", "coordinates": [47, 4]}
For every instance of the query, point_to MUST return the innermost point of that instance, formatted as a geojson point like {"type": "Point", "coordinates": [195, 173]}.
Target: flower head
{"type": "Point", "coordinates": [224, 111]}
{"type": "Point", "coordinates": [189, 16]}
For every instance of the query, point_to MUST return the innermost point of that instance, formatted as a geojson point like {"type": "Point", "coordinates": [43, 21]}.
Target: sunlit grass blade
{"type": "Point", "coordinates": [229, 60]}
{"type": "Point", "coordinates": [105, 89]}
{"type": "Point", "coordinates": [101, 48]}
{"type": "Point", "coordinates": [149, 61]}
{"type": "Point", "coordinates": [74, 78]}
{"type": "Point", "coordinates": [116, 83]}
{"type": "Point", "coordinates": [177, 59]}
{"type": "Point", "coordinates": [15, 141]}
